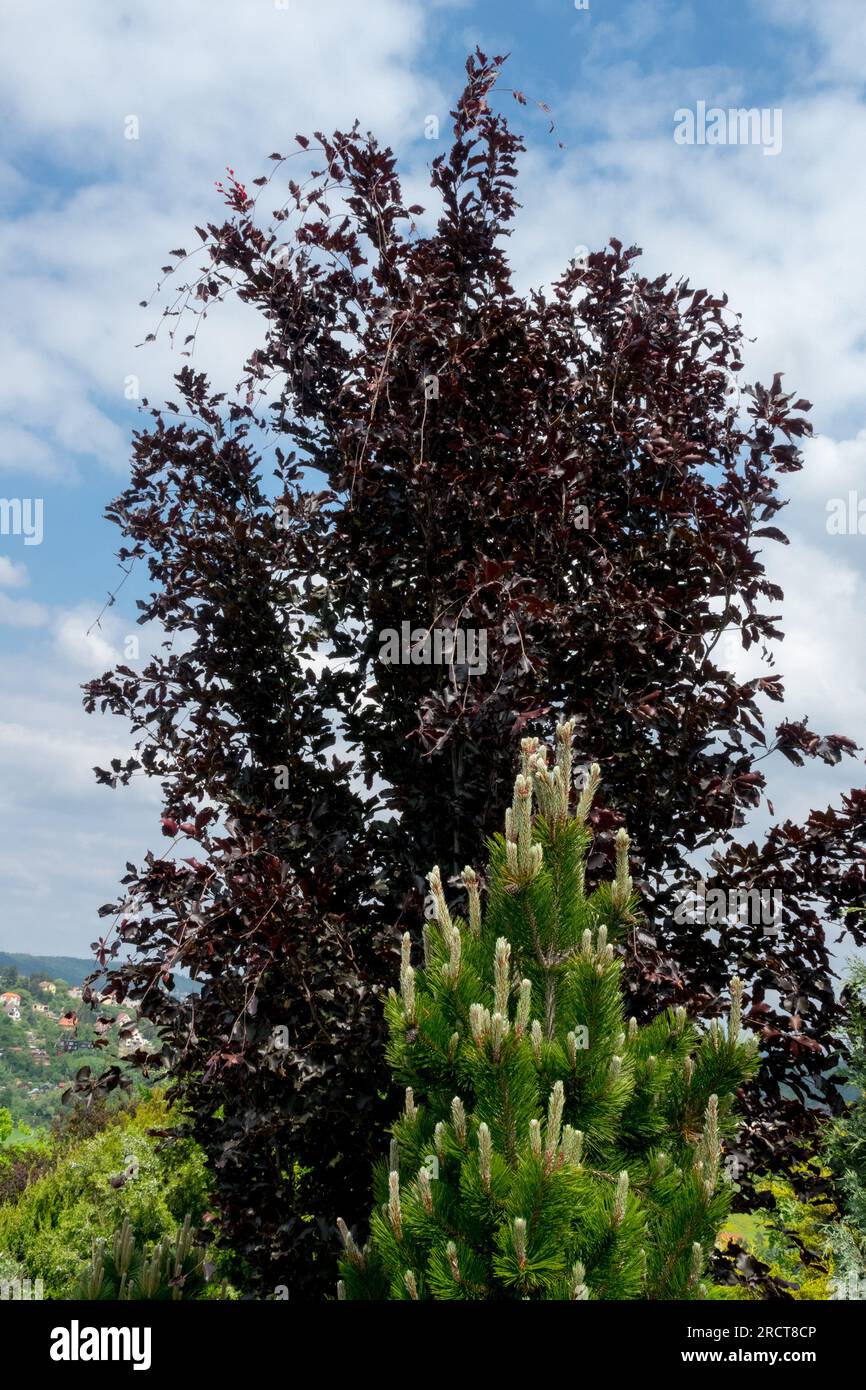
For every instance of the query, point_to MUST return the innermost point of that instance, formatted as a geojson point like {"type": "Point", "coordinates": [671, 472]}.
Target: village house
{"type": "Point", "coordinates": [68, 1022]}
{"type": "Point", "coordinates": [135, 1040]}
{"type": "Point", "coordinates": [47, 987]}
{"type": "Point", "coordinates": [40, 1008]}
{"type": "Point", "coordinates": [10, 998]}
{"type": "Point", "coordinates": [74, 993]}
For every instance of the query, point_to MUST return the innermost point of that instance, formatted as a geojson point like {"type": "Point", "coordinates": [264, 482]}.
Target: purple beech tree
{"type": "Point", "coordinates": [583, 475]}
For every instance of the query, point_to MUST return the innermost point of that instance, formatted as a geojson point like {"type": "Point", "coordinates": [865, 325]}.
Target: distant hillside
{"type": "Point", "coordinates": [68, 968]}
{"type": "Point", "coordinates": [73, 969]}
{"type": "Point", "coordinates": [44, 1030]}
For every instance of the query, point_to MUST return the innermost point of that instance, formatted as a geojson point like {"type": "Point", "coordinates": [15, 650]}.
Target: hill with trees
{"type": "Point", "coordinates": [49, 1037]}
{"type": "Point", "coordinates": [73, 969]}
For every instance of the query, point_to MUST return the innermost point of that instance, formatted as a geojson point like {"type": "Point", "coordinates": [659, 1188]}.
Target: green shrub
{"type": "Point", "coordinates": [779, 1249]}
{"type": "Point", "coordinates": [173, 1269]}
{"type": "Point", "coordinates": [93, 1186]}
{"type": "Point", "coordinates": [21, 1161]}
{"type": "Point", "coordinates": [10, 1270]}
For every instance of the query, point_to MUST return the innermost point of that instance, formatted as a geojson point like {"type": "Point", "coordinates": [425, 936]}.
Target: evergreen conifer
{"type": "Point", "coordinates": [548, 1148]}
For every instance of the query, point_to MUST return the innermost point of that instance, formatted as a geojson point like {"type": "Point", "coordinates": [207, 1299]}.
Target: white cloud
{"type": "Point", "coordinates": [206, 83]}
{"type": "Point", "coordinates": [781, 236]}
{"type": "Point", "coordinates": [84, 645]}
{"type": "Point", "coordinates": [63, 838]}
{"type": "Point", "coordinates": [12, 576]}
{"type": "Point", "coordinates": [822, 658]}
{"type": "Point", "coordinates": [25, 452]}
{"type": "Point", "coordinates": [833, 468]}
{"type": "Point", "coordinates": [837, 27]}
{"type": "Point", "coordinates": [78, 261]}
{"type": "Point", "coordinates": [21, 613]}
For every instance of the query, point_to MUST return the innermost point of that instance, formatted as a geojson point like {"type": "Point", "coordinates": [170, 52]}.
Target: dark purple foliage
{"type": "Point", "coordinates": [585, 477]}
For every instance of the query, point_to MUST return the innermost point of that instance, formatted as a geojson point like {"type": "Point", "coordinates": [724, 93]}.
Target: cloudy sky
{"type": "Point", "coordinates": [88, 215]}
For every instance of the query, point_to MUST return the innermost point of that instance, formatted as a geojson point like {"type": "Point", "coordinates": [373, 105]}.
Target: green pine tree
{"type": "Point", "coordinates": [174, 1269]}
{"type": "Point", "coordinates": [547, 1149]}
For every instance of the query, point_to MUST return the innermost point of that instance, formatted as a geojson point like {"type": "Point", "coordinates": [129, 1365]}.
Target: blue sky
{"type": "Point", "coordinates": [88, 216]}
